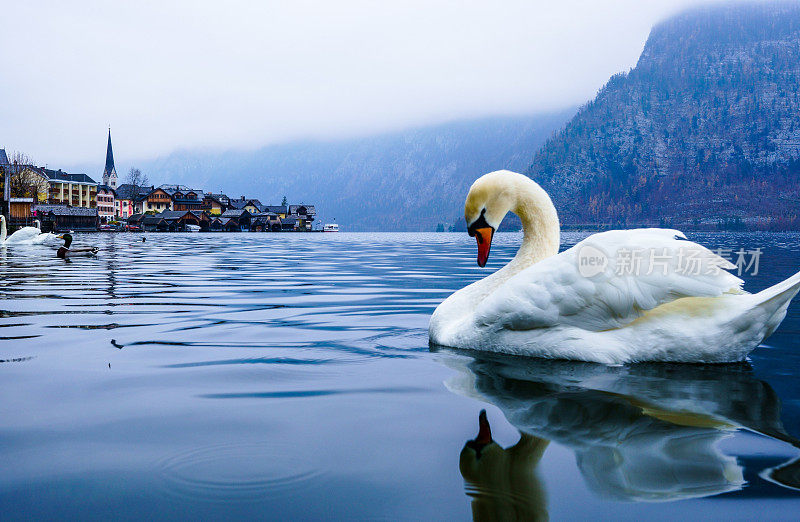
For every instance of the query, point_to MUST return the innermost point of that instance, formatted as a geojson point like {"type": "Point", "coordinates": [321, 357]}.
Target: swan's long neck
{"type": "Point", "coordinates": [3, 230]}
{"type": "Point", "coordinates": [541, 237]}
{"type": "Point", "coordinates": [540, 225]}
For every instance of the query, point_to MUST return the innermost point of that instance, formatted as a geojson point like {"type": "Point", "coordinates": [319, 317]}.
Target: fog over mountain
{"type": "Point", "coordinates": [410, 180]}
{"type": "Point", "coordinates": [192, 74]}
{"type": "Point", "coordinates": [703, 131]}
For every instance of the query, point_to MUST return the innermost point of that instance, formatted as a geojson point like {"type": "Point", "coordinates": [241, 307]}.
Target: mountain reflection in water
{"type": "Point", "coordinates": [645, 432]}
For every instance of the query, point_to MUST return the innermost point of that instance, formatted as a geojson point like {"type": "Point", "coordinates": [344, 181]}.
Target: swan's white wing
{"type": "Point", "coordinates": [46, 238]}
{"type": "Point", "coordinates": [644, 268]}
{"type": "Point", "coordinates": [23, 235]}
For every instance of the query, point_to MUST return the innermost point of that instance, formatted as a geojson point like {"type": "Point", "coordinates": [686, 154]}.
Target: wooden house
{"type": "Point", "coordinates": [153, 223]}
{"type": "Point", "coordinates": [242, 217]}
{"type": "Point", "coordinates": [62, 217]}
{"type": "Point", "coordinates": [20, 208]}
{"type": "Point", "coordinates": [253, 206]}
{"type": "Point", "coordinates": [266, 222]}
{"type": "Point", "coordinates": [279, 210]}
{"type": "Point", "coordinates": [19, 212]}
{"type": "Point", "coordinates": [289, 223]}
{"type": "Point", "coordinates": [305, 215]}
{"type": "Point", "coordinates": [176, 220]}
{"type": "Point", "coordinates": [157, 200]}
{"type": "Point", "coordinates": [136, 220]}
{"type": "Point", "coordinates": [214, 204]}
{"type": "Point", "coordinates": [184, 198]}
{"type": "Point", "coordinates": [229, 224]}
{"type": "Point", "coordinates": [216, 224]}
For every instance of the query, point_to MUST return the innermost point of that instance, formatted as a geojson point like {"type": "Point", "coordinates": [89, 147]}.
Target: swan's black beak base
{"type": "Point", "coordinates": [483, 233]}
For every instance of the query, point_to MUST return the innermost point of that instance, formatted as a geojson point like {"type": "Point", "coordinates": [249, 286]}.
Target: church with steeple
{"type": "Point", "coordinates": [110, 172]}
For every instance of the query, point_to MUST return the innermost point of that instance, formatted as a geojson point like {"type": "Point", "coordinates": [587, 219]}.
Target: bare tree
{"type": "Point", "coordinates": [23, 181]}
{"type": "Point", "coordinates": [20, 158]}
{"type": "Point", "coordinates": [136, 178]}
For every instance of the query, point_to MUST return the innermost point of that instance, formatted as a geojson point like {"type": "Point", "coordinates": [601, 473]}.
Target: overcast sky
{"type": "Point", "coordinates": [238, 74]}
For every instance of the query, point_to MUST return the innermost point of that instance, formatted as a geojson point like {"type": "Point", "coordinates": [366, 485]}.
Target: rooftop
{"type": "Point", "coordinates": [128, 191]}
{"type": "Point", "coordinates": [64, 210]}
{"type": "Point", "coordinates": [60, 175]}
{"type": "Point", "coordinates": [173, 214]}
{"type": "Point", "coordinates": [181, 189]}
{"type": "Point", "coordinates": [235, 213]}
{"type": "Point", "coordinates": [152, 220]}
{"type": "Point", "coordinates": [310, 210]}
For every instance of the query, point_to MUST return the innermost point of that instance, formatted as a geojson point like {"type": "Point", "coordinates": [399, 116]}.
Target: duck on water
{"type": "Point", "coordinates": [65, 251]}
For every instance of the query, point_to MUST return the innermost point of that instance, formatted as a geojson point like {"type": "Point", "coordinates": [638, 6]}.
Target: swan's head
{"type": "Point", "coordinates": [37, 224]}
{"type": "Point", "coordinates": [488, 201]}
{"type": "Point", "coordinates": [494, 195]}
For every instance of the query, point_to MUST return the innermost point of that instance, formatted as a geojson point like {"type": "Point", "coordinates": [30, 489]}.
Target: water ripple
{"type": "Point", "coordinates": [236, 472]}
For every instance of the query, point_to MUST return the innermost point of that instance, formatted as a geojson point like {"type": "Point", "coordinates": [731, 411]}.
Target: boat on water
{"type": "Point", "coordinates": [193, 228]}
{"type": "Point", "coordinates": [330, 227]}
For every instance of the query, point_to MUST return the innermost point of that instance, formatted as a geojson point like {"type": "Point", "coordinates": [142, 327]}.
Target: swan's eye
{"type": "Point", "coordinates": [478, 223]}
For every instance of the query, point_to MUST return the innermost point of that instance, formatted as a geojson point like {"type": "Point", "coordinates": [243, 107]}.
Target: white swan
{"type": "Point", "coordinates": [24, 234]}
{"type": "Point", "coordinates": [615, 297]}
{"type": "Point", "coordinates": [46, 238]}
{"type": "Point", "coordinates": [27, 235]}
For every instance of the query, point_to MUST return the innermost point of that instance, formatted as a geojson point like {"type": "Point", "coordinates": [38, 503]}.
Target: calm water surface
{"type": "Point", "coordinates": [289, 376]}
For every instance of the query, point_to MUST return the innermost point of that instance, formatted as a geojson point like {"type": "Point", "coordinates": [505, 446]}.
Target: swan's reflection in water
{"type": "Point", "coordinates": [639, 432]}
{"type": "Point", "coordinates": [504, 483]}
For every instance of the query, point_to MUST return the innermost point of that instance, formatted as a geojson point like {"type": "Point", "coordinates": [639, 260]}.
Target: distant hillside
{"type": "Point", "coordinates": [705, 128]}
{"type": "Point", "coordinates": [410, 180]}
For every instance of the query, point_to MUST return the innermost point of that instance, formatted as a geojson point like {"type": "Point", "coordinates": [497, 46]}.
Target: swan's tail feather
{"type": "Point", "coordinates": [775, 300]}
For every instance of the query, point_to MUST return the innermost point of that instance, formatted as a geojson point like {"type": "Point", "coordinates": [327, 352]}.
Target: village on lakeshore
{"type": "Point", "coordinates": [63, 201]}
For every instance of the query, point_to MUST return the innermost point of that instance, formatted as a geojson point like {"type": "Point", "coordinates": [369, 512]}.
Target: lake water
{"type": "Point", "coordinates": [289, 376]}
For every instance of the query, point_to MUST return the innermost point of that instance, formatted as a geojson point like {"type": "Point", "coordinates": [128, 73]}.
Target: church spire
{"type": "Point", "coordinates": [110, 172]}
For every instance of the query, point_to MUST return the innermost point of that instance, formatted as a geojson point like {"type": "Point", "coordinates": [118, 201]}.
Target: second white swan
{"type": "Point", "coordinates": [27, 235]}
{"type": "Point", "coordinates": [616, 297]}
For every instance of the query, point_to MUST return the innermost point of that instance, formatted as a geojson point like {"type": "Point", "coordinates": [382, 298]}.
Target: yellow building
{"type": "Point", "coordinates": [57, 187]}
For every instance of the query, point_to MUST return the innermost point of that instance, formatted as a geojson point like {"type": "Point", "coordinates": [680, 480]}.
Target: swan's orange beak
{"type": "Point", "coordinates": [484, 238]}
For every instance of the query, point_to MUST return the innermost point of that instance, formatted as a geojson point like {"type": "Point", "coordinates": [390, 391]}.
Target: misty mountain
{"type": "Point", "coordinates": [704, 129]}
{"type": "Point", "coordinates": [408, 180]}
